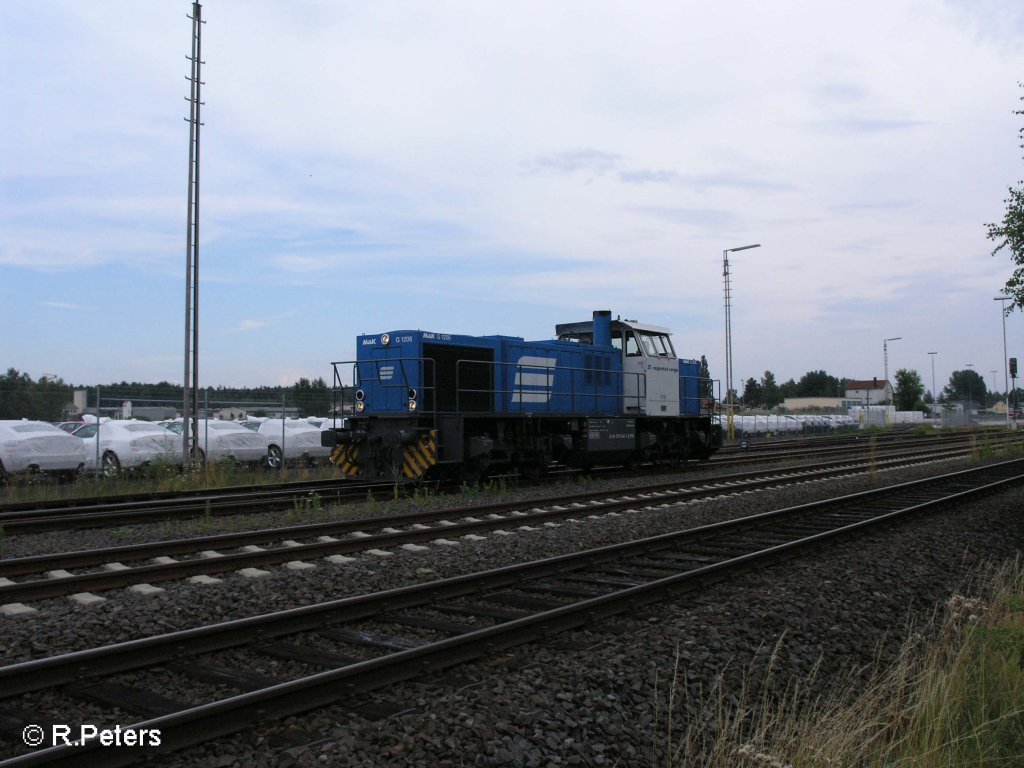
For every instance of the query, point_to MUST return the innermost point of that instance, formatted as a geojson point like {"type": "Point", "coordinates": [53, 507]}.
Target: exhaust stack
{"type": "Point", "coordinates": [602, 327]}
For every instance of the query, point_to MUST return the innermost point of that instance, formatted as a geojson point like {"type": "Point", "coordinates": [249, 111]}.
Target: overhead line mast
{"type": "Point", "coordinates": [190, 405]}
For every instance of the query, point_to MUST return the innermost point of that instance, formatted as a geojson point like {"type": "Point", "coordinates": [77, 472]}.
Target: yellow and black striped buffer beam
{"type": "Point", "coordinates": [346, 456]}
{"type": "Point", "coordinates": [420, 456]}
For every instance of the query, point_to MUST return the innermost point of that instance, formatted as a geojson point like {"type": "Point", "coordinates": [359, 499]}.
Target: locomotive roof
{"type": "Point", "coordinates": [618, 324]}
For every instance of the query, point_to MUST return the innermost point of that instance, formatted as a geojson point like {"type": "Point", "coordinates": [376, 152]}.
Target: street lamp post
{"type": "Point", "coordinates": [885, 356]}
{"type": "Point", "coordinates": [970, 393]}
{"type": "Point", "coordinates": [728, 336]}
{"type": "Point", "coordinates": [1006, 375]}
{"type": "Point", "coordinates": [935, 395]}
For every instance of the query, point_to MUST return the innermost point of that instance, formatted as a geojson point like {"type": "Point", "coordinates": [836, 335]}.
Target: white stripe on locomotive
{"type": "Point", "coordinates": [534, 379]}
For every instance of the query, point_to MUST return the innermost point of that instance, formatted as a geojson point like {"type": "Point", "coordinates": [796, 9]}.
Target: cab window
{"type": "Point", "coordinates": [648, 342]}
{"type": "Point", "coordinates": [632, 345]}
{"type": "Point", "coordinates": [663, 345]}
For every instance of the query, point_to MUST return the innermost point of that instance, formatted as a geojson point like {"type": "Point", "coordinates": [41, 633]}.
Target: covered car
{"type": "Point", "coordinates": [220, 440]}
{"type": "Point", "coordinates": [38, 446]}
{"type": "Point", "coordinates": [128, 444]}
{"type": "Point", "coordinates": [291, 439]}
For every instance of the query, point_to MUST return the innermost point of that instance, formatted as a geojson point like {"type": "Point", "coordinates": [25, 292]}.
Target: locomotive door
{"type": "Point", "coordinates": [634, 390]}
{"type": "Point", "coordinates": [651, 370]}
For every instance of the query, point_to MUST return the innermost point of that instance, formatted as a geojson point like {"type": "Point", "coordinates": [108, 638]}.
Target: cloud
{"type": "Point", "coordinates": [248, 325]}
{"type": "Point", "coordinates": [716, 220]}
{"type": "Point", "coordinates": [863, 125]}
{"type": "Point", "coordinates": [448, 163]}
{"type": "Point", "coordinates": [702, 181]}
{"type": "Point", "coordinates": [574, 161]}
{"type": "Point", "coordinates": [651, 177]}
{"type": "Point", "coordinates": [870, 206]}
{"type": "Point", "coordinates": [838, 93]}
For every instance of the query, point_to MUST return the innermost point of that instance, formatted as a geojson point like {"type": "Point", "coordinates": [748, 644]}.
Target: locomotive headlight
{"type": "Point", "coordinates": [385, 339]}
{"type": "Point", "coordinates": [412, 406]}
{"type": "Point", "coordinates": [360, 394]}
{"type": "Point", "coordinates": [411, 394]}
{"type": "Point", "coordinates": [360, 406]}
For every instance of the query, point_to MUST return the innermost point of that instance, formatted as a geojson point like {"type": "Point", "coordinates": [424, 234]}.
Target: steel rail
{"type": "Point", "coordinates": [233, 500]}
{"type": "Point", "coordinates": [207, 721]}
{"type": "Point", "coordinates": [540, 511]}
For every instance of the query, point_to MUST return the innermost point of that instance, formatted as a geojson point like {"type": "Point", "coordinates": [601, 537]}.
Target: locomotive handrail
{"type": "Point", "coordinates": [402, 368]}
{"type": "Point", "coordinates": [705, 397]}
{"type": "Point", "coordinates": [402, 382]}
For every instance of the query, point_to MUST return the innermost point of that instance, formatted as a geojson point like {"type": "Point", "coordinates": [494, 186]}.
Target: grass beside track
{"type": "Point", "coordinates": [157, 479]}
{"type": "Point", "coordinates": [953, 699]}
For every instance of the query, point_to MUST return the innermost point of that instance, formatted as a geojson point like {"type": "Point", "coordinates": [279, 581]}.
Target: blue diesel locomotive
{"type": "Point", "coordinates": [444, 405]}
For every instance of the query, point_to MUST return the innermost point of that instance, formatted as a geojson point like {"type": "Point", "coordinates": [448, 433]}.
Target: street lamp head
{"type": "Point", "coordinates": [894, 338]}
{"type": "Point", "coordinates": [743, 248]}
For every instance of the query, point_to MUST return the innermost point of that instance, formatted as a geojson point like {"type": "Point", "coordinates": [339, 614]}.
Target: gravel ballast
{"type": "Point", "coordinates": [589, 697]}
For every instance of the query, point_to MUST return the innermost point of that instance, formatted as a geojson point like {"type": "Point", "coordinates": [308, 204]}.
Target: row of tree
{"type": "Point", "coordinates": [46, 399]}
{"type": "Point", "coordinates": [966, 386]}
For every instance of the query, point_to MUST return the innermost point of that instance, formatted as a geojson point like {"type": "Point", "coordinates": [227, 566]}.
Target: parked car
{"type": "Point", "coordinates": [291, 439]}
{"type": "Point", "coordinates": [128, 444]}
{"type": "Point", "coordinates": [69, 426]}
{"type": "Point", "coordinates": [38, 446]}
{"type": "Point", "coordinates": [219, 440]}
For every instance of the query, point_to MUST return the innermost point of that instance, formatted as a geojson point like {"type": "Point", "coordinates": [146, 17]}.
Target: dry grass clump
{"type": "Point", "coordinates": [954, 699]}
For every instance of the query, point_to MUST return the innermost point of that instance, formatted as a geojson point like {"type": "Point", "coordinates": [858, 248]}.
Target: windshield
{"type": "Point", "coordinates": [655, 344]}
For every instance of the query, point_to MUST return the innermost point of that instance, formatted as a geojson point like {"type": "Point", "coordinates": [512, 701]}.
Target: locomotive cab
{"type": "Point", "coordinates": [651, 370]}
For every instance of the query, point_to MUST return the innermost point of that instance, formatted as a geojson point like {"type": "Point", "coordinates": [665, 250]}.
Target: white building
{"type": "Point", "coordinates": [869, 392]}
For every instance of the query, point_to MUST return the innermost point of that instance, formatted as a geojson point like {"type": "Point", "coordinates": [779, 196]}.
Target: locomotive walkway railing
{"type": "Point", "coordinates": [523, 387]}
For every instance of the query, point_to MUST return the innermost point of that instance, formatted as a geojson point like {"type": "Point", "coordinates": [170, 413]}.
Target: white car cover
{"type": "Point", "coordinates": [38, 445]}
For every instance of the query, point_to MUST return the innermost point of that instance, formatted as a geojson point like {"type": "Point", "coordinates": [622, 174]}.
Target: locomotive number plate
{"type": "Point", "coordinates": [611, 434]}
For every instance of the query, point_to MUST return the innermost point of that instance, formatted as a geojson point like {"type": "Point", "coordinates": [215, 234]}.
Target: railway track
{"type": "Point", "coordinates": [139, 567]}
{"type": "Point", "coordinates": [31, 517]}
{"type": "Point", "coordinates": [346, 649]}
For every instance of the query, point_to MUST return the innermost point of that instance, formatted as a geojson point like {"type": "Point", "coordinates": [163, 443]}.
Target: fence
{"type": "Point", "coordinates": [65, 404]}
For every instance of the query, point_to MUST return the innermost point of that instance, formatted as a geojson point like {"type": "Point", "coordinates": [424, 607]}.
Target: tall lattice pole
{"type": "Point", "coordinates": [729, 392]}
{"type": "Point", "coordinates": [190, 405]}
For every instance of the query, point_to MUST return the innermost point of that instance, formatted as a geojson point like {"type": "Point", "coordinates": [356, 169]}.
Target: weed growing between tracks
{"type": "Point", "coordinates": [955, 698]}
{"type": "Point", "coordinates": [303, 506]}
{"type": "Point", "coordinates": [983, 448]}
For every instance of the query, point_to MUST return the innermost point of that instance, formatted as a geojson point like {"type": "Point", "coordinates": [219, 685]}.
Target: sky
{"type": "Point", "coordinates": [483, 167]}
